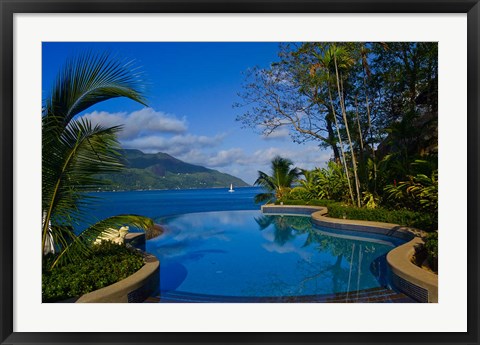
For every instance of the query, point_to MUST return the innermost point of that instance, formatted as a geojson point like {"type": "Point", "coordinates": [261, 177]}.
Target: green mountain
{"type": "Point", "coordinates": [162, 171]}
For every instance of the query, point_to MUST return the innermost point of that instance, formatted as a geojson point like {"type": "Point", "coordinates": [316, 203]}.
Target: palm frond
{"type": "Point", "coordinates": [80, 246]}
{"type": "Point", "coordinates": [265, 181]}
{"type": "Point", "coordinates": [87, 80]}
{"type": "Point", "coordinates": [264, 197]}
{"type": "Point", "coordinates": [80, 154]}
{"type": "Point", "coordinates": [281, 179]}
{"type": "Point", "coordinates": [74, 151]}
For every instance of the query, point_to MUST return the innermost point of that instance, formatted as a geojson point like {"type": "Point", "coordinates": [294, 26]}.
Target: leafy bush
{"type": "Point", "coordinates": [431, 246]}
{"type": "Point", "coordinates": [370, 200]}
{"type": "Point", "coordinates": [313, 202]}
{"type": "Point", "coordinates": [418, 220]}
{"type": "Point", "coordinates": [326, 183]}
{"type": "Point", "coordinates": [108, 263]}
{"type": "Point", "coordinates": [299, 193]}
{"type": "Point", "coordinates": [309, 187]}
{"type": "Point", "coordinates": [419, 192]}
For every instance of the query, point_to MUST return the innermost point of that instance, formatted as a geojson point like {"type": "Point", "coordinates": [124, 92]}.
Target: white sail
{"type": "Point", "coordinates": [231, 188]}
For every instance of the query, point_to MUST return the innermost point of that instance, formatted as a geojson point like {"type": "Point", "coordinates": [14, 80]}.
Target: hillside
{"type": "Point", "coordinates": [162, 171]}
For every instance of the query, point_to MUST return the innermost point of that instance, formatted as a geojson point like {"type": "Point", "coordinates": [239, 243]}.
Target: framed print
{"type": "Point", "coordinates": [239, 172]}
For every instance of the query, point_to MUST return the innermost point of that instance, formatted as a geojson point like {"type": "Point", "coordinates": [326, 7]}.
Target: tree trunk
{"type": "Point", "coordinates": [341, 145]}
{"type": "Point", "coordinates": [359, 127]}
{"type": "Point", "coordinates": [367, 104]}
{"type": "Point", "coordinates": [344, 114]}
{"type": "Point", "coordinates": [331, 137]}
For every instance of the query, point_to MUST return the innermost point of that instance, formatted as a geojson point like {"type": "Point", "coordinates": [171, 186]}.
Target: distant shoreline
{"type": "Point", "coordinates": [153, 190]}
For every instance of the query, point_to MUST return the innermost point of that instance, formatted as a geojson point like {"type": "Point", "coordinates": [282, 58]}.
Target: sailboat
{"type": "Point", "coordinates": [231, 190]}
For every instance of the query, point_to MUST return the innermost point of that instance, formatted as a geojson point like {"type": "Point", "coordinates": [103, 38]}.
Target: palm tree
{"type": "Point", "coordinates": [279, 184]}
{"type": "Point", "coordinates": [346, 61]}
{"type": "Point", "coordinates": [325, 62]}
{"type": "Point", "coordinates": [74, 151]}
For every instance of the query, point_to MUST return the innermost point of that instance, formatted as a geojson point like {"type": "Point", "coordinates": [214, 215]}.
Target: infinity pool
{"type": "Point", "coordinates": [249, 254]}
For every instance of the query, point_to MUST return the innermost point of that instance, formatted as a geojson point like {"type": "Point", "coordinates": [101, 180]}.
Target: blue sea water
{"type": "Point", "coordinates": [159, 203]}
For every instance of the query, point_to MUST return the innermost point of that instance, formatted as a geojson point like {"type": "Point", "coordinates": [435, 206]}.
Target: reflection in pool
{"type": "Point", "coordinates": [246, 253]}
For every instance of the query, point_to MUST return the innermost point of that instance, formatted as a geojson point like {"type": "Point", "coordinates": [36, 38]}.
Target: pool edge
{"type": "Point", "coordinates": [408, 278]}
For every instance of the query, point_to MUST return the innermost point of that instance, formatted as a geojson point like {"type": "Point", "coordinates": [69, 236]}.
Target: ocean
{"type": "Point", "coordinates": [160, 203]}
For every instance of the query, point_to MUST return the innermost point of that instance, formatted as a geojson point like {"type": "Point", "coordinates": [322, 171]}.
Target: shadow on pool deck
{"type": "Point", "coordinates": [373, 295]}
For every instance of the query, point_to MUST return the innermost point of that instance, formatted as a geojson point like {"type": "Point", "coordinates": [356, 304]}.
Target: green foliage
{"type": "Point", "coordinates": [431, 246]}
{"type": "Point", "coordinates": [107, 264]}
{"type": "Point", "coordinates": [381, 96]}
{"type": "Point", "coordinates": [326, 183]}
{"type": "Point", "coordinates": [309, 186]}
{"type": "Point", "coordinates": [74, 152]}
{"type": "Point", "coordinates": [419, 192]}
{"type": "Point", "coordinates": [418, 220]}
{"type": "Point", "coordinates": [279, 183]}
{"type": "Point", "coordinates": [81, 245]}
{"type": "Point", "coordinates": [369, 200]}
{"type": "Point", "coordinates": [312, 202]}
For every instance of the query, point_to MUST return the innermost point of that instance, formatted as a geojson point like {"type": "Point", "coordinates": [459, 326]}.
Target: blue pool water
{"type": "Point", "coordinates": [246, 253]}
{"type": "Point", "coordinates": [219, 243]}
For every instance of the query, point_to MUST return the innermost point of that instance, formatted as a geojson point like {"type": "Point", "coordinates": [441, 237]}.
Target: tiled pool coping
{"type": "Point", "coordinates": [405, 276]}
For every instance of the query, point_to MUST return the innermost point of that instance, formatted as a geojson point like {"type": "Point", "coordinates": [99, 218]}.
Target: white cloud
{"type": "Point", "coordinates": [237, 162]}
{"type": "Point", "coordinates": [281, 133]}
{"type": "Point", "coordinates": [139, 123]}
{"type": "Point", "coordinates": [154, 131]}
{"type": "Point", "coordinates": [306, 157]}
{"type": "Point", "coordinates": [215, 159]}
{"type": "Point", "coordinates": [176, 145]}
{"type": "Point", "coordinates": [288, 248]}
{"type": "Point", "coordinates": [226, 157]}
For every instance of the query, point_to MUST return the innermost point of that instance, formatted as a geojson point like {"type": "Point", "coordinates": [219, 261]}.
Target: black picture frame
{"type": "Point", "coordinates": [10, 7]}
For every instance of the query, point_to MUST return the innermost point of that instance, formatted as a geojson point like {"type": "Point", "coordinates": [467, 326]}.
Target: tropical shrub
{"type": "Point", "coordinates": [333, 183]}
{"type": "Point", "coordinates": [420, 220]}
{"type": "Point", "coordinates": [298, 193]}
{"type": "Point", "coordinates": [370, 200]}
{"type": "Point", "coordinates": [419, 192]}
{"type": "Point", "coordinates": [431, 246]}
{"type": "Point", "coordinates": [279, 184]}
{"type": "Point", "coordinates": [309, 188]}
{"type": "Point", "coordinates": [325, 183]}
{"type": "Point", "coordinates": [312, 202]}
{"type": "Point", "coordinates": [107, 263]}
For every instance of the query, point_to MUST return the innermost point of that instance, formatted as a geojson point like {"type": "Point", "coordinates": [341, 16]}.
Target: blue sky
{"type": "Point", "coordinates": [190, 91]}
